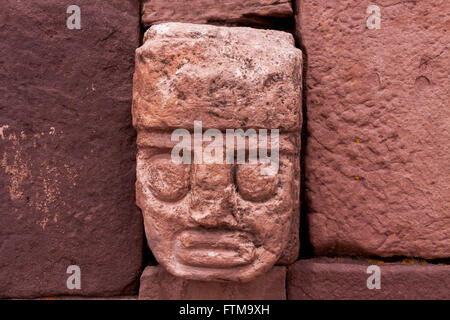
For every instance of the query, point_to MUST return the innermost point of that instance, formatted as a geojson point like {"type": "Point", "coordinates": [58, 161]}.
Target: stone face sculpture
{"type": "Point", "coordinates": [217, 221]}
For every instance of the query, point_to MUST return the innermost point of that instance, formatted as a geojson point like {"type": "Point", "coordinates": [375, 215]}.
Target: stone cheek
{"type": "Point", "coordinates": [217, 221]}
{"type": "Point", "coordinates": [378, 153]}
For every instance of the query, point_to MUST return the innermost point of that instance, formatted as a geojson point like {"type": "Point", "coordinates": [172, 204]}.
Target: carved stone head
{"type": "Point", "coordinates": [213, 220]}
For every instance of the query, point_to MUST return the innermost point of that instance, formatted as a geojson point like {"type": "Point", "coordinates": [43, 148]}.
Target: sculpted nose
{"type": "Point", "coordinates": [212, 195]}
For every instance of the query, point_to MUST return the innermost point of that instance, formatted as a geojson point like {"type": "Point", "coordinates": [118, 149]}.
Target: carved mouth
{"type": "Point", "coordinates": [215, 249]}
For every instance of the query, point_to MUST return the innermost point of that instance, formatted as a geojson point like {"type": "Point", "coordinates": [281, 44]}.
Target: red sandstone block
{"type": "Point", "coordinates": [378, 149]}
{"type": "Point", "coordinates": [67, 152]}
{"type": "Point", "coordinates": [341, 279]}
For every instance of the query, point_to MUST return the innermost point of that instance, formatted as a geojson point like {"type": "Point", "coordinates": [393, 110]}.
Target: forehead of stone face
{"type": "Point", "coordinates": [225, 77]}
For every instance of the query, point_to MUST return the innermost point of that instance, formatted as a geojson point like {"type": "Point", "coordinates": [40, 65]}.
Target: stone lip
{"type": "Point", "coordinates": [158, 284]}
{"type": "Point", "coordinates": [377, 170]}
{"type": "Point", "coordinates": [215, 248]}
{"type": "Point", "coordinates": [346, 279]}
{"type": "Point", "coordinates": [226, 77]}
{"type": "Point", "coordinates": [254, 12]}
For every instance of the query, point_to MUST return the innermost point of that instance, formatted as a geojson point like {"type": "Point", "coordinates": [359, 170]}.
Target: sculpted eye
{"type": "Point", "coordinates": [253, 185]}
{"type": "Point", "coordinates": [168, 181]}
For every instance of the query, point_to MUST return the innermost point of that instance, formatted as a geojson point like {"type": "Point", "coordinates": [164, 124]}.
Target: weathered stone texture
{"type": "Point", "coordinates": [249, 12]}
{"type": "Point", "coordinates": [217, 221]}
{"type": "Point", "coordinates": [158, 284]}
{"type": "Point", "coordinates": [378, 151]}
{"type": "Point", "coordinates": [67, 149]}
{"type": "Point", "coordinates": [343, 279]}
{"type": "Point", "coordinates": [226, 77]}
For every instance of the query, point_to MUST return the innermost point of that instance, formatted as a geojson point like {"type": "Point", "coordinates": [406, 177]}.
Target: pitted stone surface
{"type": "Point", "coordinates": [249, 12]}
{"type": "Point", "coordinates": [67, 150]}
{"type": "Point", "coordinates": [158, 284]}
{"type": "Point", "coordinates": [378, 151]}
